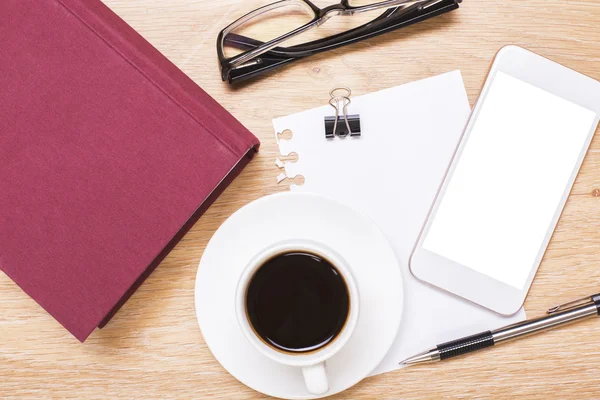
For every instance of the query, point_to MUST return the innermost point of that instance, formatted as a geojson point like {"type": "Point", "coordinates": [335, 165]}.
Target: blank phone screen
{"type": "Point", "coordinates": [510, 180]}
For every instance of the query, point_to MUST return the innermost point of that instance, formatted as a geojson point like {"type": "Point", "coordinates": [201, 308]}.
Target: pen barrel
{"type": "Point", "coordinates": [541, 324]}
{"type": "Point", "coordinates": [465, 345]}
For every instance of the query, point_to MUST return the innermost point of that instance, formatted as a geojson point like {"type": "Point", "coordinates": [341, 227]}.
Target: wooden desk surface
{"type": "Point", "coordinates": [153, 347]}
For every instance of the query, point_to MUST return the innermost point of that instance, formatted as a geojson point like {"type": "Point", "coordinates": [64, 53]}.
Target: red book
{"type": "Point", "coordinates": [108, 155]}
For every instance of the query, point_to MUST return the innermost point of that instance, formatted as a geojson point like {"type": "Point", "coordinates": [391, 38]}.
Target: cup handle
{"type": "Point", "coordinates": [315, 378]}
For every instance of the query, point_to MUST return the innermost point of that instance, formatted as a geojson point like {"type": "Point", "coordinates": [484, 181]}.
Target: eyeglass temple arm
{"type": "Point", "coordinates": [393, 18]}
{"type": "Point", "coordinates": [245, 43]}
{"type": "Point", "coordinates": [279, 56]}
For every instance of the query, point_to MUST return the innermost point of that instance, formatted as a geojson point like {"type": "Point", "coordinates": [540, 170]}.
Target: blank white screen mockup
{"type": "Point", "coordinates": [510, 179]}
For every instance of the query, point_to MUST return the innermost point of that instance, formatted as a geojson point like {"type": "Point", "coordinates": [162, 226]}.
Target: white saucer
{"type": "Point", "coordinates": [289, 216]}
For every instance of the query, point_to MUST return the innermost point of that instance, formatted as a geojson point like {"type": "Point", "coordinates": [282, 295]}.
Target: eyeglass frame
{"type": "Point", "coordinates": [397, 14]}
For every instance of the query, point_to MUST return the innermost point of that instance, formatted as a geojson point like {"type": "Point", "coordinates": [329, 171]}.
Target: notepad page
{"type": "Point", "coordinates": [392, 174]}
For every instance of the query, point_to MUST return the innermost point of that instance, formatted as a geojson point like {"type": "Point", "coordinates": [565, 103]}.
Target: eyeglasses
{"type": "Point", "coordinates": [252, 45]}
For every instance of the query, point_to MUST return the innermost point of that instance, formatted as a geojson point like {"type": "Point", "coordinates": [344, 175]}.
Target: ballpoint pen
{"type": "Point", "coordinates": [557, 316]}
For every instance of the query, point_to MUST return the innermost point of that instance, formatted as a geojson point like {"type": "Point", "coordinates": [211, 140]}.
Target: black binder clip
{"type": "Point", "coordinates": [345, 125]}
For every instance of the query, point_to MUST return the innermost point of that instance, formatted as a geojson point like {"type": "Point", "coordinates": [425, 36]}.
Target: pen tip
{"type": "Point", "coordinates": [418, 359]}
{"type": "Point", "coordinates": [406, 362]}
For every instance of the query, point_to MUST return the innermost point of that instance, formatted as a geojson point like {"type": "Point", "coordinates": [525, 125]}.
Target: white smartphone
{"type": "Point", "coordinates": [509, 180]}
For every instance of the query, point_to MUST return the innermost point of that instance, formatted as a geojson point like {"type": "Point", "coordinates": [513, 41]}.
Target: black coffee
{"type": "Point", "coordinates": [297, 302]}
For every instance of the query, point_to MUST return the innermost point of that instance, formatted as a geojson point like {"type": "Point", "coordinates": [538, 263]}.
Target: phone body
{"type": "Point", "coordinates": [509, 180]}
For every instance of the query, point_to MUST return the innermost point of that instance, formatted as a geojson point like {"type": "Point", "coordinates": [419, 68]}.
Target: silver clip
{"type": "Point", "coordinates": [570, 304]}
{"type": "Point", "coordinates": [341, 101]}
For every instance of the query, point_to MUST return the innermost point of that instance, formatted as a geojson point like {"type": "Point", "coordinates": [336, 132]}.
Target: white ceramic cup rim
{"type": "Point", "coordinates": [317, 356]}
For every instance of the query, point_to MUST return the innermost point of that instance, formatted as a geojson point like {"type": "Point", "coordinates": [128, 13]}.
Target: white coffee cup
{"type": "Point", "coordinates": [312, 363]}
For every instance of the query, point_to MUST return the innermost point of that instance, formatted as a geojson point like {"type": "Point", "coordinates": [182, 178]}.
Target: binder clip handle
{"type": "Point", "coordinates": [338, 125]}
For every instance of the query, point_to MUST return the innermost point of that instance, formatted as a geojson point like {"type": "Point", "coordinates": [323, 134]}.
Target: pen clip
{"type": "Point", "coordinates": [571, 304]}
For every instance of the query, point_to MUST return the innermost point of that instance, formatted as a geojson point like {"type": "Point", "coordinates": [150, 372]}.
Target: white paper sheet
{"type": "Point", "coordinates": [392, 173]}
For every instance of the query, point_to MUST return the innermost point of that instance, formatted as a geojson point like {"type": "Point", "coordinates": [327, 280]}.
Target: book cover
{"type": "Point", "coordinates": [108, 155]}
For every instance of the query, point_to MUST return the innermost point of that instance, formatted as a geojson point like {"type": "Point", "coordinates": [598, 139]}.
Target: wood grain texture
{"type": "Point", "coordinates": [153, 347]}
